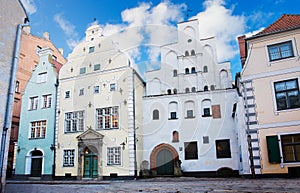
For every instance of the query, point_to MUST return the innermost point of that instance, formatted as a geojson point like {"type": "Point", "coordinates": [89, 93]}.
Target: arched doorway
{"type": "Point", "coordinates": [162, 159]}
{"type": "Point", "coordinates": [36, 163]}
{"type": "Point", "coordinates": [90, 169]}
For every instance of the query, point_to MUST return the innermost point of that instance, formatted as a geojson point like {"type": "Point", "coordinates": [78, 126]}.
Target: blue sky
{"type": "Point", "coordinates": [67, 20]}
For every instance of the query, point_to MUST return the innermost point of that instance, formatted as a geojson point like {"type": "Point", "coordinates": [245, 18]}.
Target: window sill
{"type": "Point", "coordinates": [173, 118]}
{"type": "Point", "coordinates": [190, 117]}
{"type": "Point", "coordinates": [276, 112]}
{"type": "Point", "coordinates": [206, 115]}
{"type": "Point", "coordinates": [271, 62]}
{"type": "Point", "coordinates": [36, 138]}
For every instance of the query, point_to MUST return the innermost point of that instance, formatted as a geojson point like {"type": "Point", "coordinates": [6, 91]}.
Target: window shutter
{"type": "Point", "coordinates": [273, 149]}
{"type": "Point", "coordinates": [216, 111]}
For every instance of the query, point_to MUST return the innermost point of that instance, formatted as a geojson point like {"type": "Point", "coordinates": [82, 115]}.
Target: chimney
{"type": "Point", "coordinates": [46, 35]}
{"type": "Point", "coordinates": [61, 51]}
{"type": "Point", "coordinates": [26, 29]}
{"type": "Point", "coordinates": [243, 49]}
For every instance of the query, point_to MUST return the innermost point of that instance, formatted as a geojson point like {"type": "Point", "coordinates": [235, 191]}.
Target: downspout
{"type": "Point", "coordinates": [10, 100]}
{"type": "Point", "coordinates": [134, 129]}
{"type": "Point", "coordinates": [54, 133]}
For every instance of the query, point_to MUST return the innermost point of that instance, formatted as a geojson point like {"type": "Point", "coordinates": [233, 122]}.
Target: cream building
{"type": "Point", "coordinates": [99, 117]}
{"type": "Point", "coordinates": [190, 110]}
{"type": "Point", "coordinates": [270, 81]}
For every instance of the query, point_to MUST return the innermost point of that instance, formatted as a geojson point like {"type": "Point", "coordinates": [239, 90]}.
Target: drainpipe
{"type": "Point", "coordinates": [134, 129]}
{"type": "Point", "coordinates": [10, 101]}
{"type": "Point", "coordinates": [54, 133]}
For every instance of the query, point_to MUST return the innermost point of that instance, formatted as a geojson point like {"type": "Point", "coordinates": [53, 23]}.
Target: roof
{"type": "Point", "coordinates": [56, 64]}
{"type": "Point", "coordinates": [284, 23]}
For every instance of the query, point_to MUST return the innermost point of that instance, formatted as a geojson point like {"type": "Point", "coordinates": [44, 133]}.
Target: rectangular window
{"type": "Point", "coordinates": [97, 67]}
{"type": "Point", "coordinates": [223, 148]}
{"type": "Point", "coordinates": [47, 101]}
{"type": "Point", "coordinates": [173, 115]}
{"type": "Point", "coordinates": [67, 94]}
{"type": "Point", "coordinates": [107, 118]}
{"type": "Point", "coordinates": [205, 139]}
{"type": "Point", "coordinates": [33, 103]}
{"type": "Point", "coordinates": [81, 92]}
{"type": "Point", "coordinates": [38, 129]}
{"type": "Point", "coordinates": [69, 157]}
{"type": "Point", "coordinates": [74, 121]}
{"type": "Point", "coordinates": [96, 89]}
{"type": "Point", "coordinates": [82, 70]}
{"type": "Point", "coordinates": [17, 87]}
{"type": "Point", "coordinates": [41, 77]}
{"type": "Point", "coordinates": [112, 87]}
{"type": "Point", "coordinates": [114, 156]}
{"type": "Point", "coordinates": [91, 49]}
{"type": "Point", "coordinates": [287, 94]}
{"type": "Point", "coordinates": [189, 114]}
{"type": "Point", "coordinates": [206, 112]}
{"type": "Point", "coordinates": [190, 150]}
{"type": "Point", "coordinates": [290, 148]}
{"type": "Point", "coordinates": [281, 51]}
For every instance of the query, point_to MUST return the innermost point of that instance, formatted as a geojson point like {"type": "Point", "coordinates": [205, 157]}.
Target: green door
{"type": "Point", "coordinates": [164, 163]}
{"type": "Point", "coordinates": [90, 166]}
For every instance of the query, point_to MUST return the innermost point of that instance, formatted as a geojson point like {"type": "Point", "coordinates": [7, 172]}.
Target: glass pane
{"type": "Point", "coordinates": [288, 155]}
{"type": "Point", "coordinates": [279, 86]}
{"type": "Point", "coordinates": [296, 138]}
{"type": "Point", "coordinates": [297, 152]}
{"type": "Point", "coordinates": [286, 139]}
{"type": "Point", "coordinates": [281, 101]}
{"type": "Point", "coordinates": [291, 84]}
{"type": "Point", "coordinates": [286, 50]}
{"type": "Point", "coordinates": [274, 53]}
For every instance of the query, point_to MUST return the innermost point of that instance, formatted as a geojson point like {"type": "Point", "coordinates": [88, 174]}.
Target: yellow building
{"type": "Point", "coordinates": [99, 117]}
{"type": "Point", "coordinates": [270, 81]}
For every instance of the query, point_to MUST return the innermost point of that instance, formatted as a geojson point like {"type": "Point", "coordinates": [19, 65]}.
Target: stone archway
{"type": "Point", "coordinates": [160, 154]}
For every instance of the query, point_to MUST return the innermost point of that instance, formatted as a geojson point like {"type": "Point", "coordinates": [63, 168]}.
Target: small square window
{"type": "Point", "coordinates": [67, 94]}
{"type": "Point", "coordinates": [190, 150]}
{"type": "Point", "coordinates": [206, 112]}
{"type": "Point", "coordinates": [96, 89]}
{"type": "Point", "coordinates": [81, 92]}
{"type": "Point", "coordinates": [97, 67]}
{"type": "Point", "coordinates": [205, 139]}
{"type": "Point", "coordinates": [112, 87]}
{"type": "Point", "coordinates": [82, 70]}
{"type": "Point", "coordinates": [189, 114]}
{"type": "Point", "coordinates": [91, 49]}
{"type": "Point", "coordinates": [223, 148]}
{"type": "Point", "coordinates": [173, 115]}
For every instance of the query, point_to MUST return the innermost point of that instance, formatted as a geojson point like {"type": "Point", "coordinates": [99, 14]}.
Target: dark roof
{"type": "Point", "coordinates": [284, 23]}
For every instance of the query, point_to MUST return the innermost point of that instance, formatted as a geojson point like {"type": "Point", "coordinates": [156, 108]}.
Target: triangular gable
{"type": "Point", "coordinates": [90, 134]}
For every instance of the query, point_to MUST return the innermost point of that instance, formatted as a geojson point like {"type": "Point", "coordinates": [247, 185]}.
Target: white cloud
{"type": "Point", "coordinates": [30, 6]}
{"type": "Point", "coordinates": [218, 21]}
{"type": "Point", "coordinates": [69, 30]}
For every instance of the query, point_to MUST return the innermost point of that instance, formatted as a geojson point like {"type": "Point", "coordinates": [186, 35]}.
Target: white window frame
{"type": "Point", "coordinates": [282, 164]}
{"type": "Point", "coordinates": [102, 118]}
{"type": "Point", "coordinates": [47, 101]}
{"type": "Point", "coordinates": [33, 103]}
{"type": "Point", "coordinates": [96, 89]}
{"type": "Point", "coordinates": [69, 156]}
{"type": "Point", "coordinates": [41, 77]}
{"type": "Point", "coordinates": [74, 122]}
{"type": "Point", "coordinates": [67, 94]}
{"type": "Point", "coordinates": [112, 87]}
{"type": "Point", "coordinates": [39, 128]}
{"type": "Point", "coordinates": [116, 151]}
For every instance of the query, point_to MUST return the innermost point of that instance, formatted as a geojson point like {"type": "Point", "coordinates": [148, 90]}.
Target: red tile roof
{"type": "Point", "coordinates": [285, 22]}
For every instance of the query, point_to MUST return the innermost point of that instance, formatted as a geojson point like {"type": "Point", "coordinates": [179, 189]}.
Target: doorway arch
{"type": "Point", "coordinates": [36, 163]}
{"type": "Point", "coordinates": [163, 158]}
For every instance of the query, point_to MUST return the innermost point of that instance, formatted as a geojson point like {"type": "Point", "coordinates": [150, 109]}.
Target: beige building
{"type": "Point", "coordinates": [270, 81]}
{"type": "Point", "coordinates": [99, 117]}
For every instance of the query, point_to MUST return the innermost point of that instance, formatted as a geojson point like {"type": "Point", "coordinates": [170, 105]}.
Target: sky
{"type": "Point", "coordinates": [67, 20]}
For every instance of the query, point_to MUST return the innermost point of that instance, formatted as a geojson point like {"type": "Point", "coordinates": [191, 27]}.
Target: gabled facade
{"type": "Point", "coordinates": [35, 151]}
{"type": "Point", "coordinates": [270, 81]}
{"type": "Point", "coordinates": [99, 118]}
{"type": "Point", "coordinates": [189, 109]}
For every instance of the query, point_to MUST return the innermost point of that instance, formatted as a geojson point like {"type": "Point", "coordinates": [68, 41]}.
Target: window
{"type": "Point", "coordinates": [189, 114]}
{"type": "Point", "coordinates": [206, 112]}
{"type": "Point", "coordinates": [187, 90]}
{"type": "Point", "coordinates": [81, 92]}
{"type": "Point", "coordinates": [280, 51]}
{"type": "Point", "coordinates": [17, 87]}
{"type": "Point", "coordinates": [91, 49]}
{"type": "Point", "coordinates": [216, 111]}
{"type": "Point", "coordinates": [67, 94]}
{"type": "Point", "coordinates": [290, 148]}
{"type": "Point", "coordinates": [74, 121]}
{"type": "Point", "coordinates": [169, 91]}
{"type": "Point", "coordinates": [33, 103]}
{"type": "Point", "coordinates": [38, 48]}
{"type": "Point", "coordinates": [173, 115]}
{"type": "Point", "coordinates": [41, 77]}
{"type": "Point", "coordinates": [107, 118]}
{"type": "Point", "coordinates": [114, 156]}
{"type": "Point", "coordinates": [287, 94]}
{"type": "Point", "coordinates": [190, 150]}
{"type": "Point", "coordinates": [96, 89]}
{"type": "Point", "coordinates": [186, 53]}
{"type": "Point", "coordinates": [69, 157]}
{"type": "Point", "coordinates": [205, 139]}
{"type": "Point", "coordinates": [205, 88]}
{"type": "Point", "coordinates": [223, 148]}
{"type": "Point", "coordinates": [187, 71]}
{"type": "Point", "coordinates": [205, 69]}
{"type": "Point", "coordinates": [155, 114]}
{"type": "Point", "coordinates": [97, 67]}
{"type": "Point", "coordinates": [193, 53]}
{"type": "Point", "coordinates": [38, 129]}
{"type": "Point", "coordinates": [175, 91]}
{"type": "Point", "coordinates": [54, 57]}
{"type": "Point", "coordinates": [82, 70]}
{"type": "Point", "coordinates": [175, 136]}
{"type": "Point", "coordinates": [174, 73]}
{"type": "Point", "coordinates": [193, 70]}
{"type": "Point", "coordinates": [193, 89]}
{"type": "Point", "coordinates": [47, 101]}
{"type": "Point", "coordinates": [212, 87]}
{"type": "Point", "coordinates": [112, 87]}
{"type": "Point", "coordinates": [206, 106]}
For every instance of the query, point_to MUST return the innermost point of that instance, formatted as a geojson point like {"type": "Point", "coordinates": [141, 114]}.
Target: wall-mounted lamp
{"type": "Point", "coordinates": [19, 149]}
{"type": "Point", "coordinates": [52, 147]}
{"type": "Point", "coordinates": [123, 145]}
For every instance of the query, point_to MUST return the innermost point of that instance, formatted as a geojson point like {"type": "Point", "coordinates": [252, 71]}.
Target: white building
{"type": "Point", "coordinates": [99, 111]}
{"type": "Point", "coordinates": [189, 109]}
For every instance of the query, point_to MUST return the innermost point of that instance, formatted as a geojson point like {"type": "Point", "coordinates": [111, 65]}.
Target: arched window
{"type": "Point", "coordinates": [206, 108]}
{"type": "Point", "coordinates": [212, 87]}
{"type": "Point", "coordinates": [175, 137]}
{"type": "Point", "coordinates": [187, 90]}
{"type": "Point", "coordinates": [187, 71]}
{"type": "Point", "coordinates": [193, 70]}
{"type": "Point", "coordinates": [193, 89]}
{"type": "Point", "coordinates": [205, 69]}
{"type": "Point", "coordinates": [174, 72]}
{"type": "Point", "coordinates": [169, 91]}
{"type": "Point", "coordinates": [205, 88]}
{"type": "Point", "coordinates": [193, 53]}
{"type": "Point", "coordinates": [173, 108]}
{"type": "Point", "coordinates": [155, 115]}
{"type": "Point", "coordinates": [189, 108]}
{"type": "Point", "coordinates": [17, 86]}
{"type": "Point", "coordinates": [186, 53]}
{"type": "Point", "coordinates": [175, 91]}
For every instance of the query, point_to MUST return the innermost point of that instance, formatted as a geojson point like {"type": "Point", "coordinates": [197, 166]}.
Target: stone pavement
{"type": "Point", "coordinates": [159, 185]}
